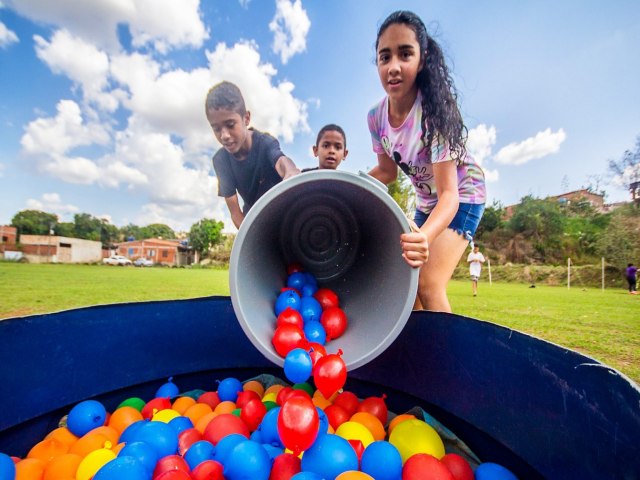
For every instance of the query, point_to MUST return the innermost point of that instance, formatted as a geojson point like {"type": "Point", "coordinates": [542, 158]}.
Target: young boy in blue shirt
{"type": "Point", "coordinates": [250, 162]}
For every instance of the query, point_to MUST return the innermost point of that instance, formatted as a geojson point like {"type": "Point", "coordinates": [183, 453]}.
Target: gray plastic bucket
{"type": "Point", "coordinates": [343, 228]}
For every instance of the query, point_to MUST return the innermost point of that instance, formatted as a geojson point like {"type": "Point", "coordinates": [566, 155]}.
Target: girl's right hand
{"type": "Point", "coordinates": [415, 246]}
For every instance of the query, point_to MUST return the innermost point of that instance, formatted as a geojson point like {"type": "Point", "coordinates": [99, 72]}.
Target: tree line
{"type": "Point", "coordinates": [203, 234]}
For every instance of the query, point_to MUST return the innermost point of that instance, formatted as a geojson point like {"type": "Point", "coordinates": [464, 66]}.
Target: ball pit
{"type": "Point", "coordinates": [461, 350]}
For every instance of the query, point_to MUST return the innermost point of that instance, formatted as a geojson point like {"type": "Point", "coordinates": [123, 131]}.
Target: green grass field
{"type": "Point", "coordinates": [604, 325]}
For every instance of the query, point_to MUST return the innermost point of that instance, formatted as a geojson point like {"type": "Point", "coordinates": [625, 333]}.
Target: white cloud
{"type": "Point", "coordinates": [81, 61]}
{"type": "Point", "coordinates": [480, 144]}
{"type": "Point", "coordinates": [7, 37]}
{"type": "Point", "coordinates": [62, 133]}
{"type": "Point", "coordinates": [52, 202]}
{"type": "Point", "coordinates": [162, 24]}
{"type": "Point", "coordinates": [290, 27]}
{"type": "Point", "coordinates": [543, 144]}
{"type": "Point", "coordinates": [244, 3]}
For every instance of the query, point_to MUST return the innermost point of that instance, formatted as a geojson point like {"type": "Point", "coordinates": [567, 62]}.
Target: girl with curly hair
{"type": "Point", "coordinates": [418, 128]}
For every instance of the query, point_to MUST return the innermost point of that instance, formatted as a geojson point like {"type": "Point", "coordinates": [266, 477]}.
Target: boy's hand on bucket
{"type": "Point", "coordinates": [415, 246]}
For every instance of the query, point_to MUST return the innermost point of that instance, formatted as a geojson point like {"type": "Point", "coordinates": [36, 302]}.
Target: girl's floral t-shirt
{"type": "Point", "coordinates": [405, 147]}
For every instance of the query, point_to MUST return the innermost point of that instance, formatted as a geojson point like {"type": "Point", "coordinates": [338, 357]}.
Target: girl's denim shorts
{"type": "Point", "coordinates": [465, 222]}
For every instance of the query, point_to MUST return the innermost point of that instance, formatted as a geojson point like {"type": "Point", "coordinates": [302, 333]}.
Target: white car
{"type": "Point", "coordinates": [116, 260]}
{"type": "Point", "coordinates": [143, 262]}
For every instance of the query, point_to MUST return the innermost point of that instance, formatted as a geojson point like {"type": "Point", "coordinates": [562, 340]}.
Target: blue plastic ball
{"type": "Point", "coordinates": [307, 476]}
{"type": "Point", "coordinates": [298, 365]}
{"type": "Point", "coordinates": [296, 280]}
{"type": "Point", "coordinates": [247, 460]}
{"type": "Point", "coordinates": [330, 456]}
{"type": "Point", "coordinates": [288, 298]}
{"type": "Point", "coordinates": [129, 433]}
{"type": "Point", "coordinates": [310, 309]}
{"type": "Point", "coordinates": [269, 428]}
{"type": "Point", "coordinates": [180, 424]}
{"type": "Point", "coordinates": [198, 452]}
{"type": "Point", "coordinates": [308, 290]}
{"type": "Point", "coordinates": [7, 467]}
{"type": "Point", "coordinates": [272, 451]}
{"type": "Point", "coordinates": [226, 445]}
{"type": "Point", "coordinates": [310, 279]}
{"type": "Point", "coordinates": [493, 471]}
{"type": "Point", "coordinates": [382, 461]}
{"type": "Point", "coordinates": [323, 426]}
{"type": "Point", "coordinates": [315, 332]}
{"type": "Point", "coordinates": [122, 468]}
{"type": "Point", "coordinates": [86, 416]}
{"type": "Point", "coordinates": [144, 453]}
{"type": "Point", "coordinates": [228, 389]}
{"type": "Point", "coordinates": [168, 390]}
{"type": "Point", "coordinates": [159, 435]}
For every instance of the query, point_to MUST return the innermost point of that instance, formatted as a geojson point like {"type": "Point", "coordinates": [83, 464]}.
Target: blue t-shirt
{"type": "Point", "coordinates": [252, 177]}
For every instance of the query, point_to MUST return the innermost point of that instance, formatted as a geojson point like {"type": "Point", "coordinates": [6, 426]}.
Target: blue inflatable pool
{"type": "Point", "coordinates": [540, 410]}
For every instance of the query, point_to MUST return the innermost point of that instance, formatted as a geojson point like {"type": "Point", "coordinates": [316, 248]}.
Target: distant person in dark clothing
{"type": "Point", "coordinates": [631, 278]}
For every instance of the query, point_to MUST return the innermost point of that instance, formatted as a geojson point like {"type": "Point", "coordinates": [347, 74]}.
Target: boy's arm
{"type": "Point", "coordinates": [234, 209]}
{"type": "Point", "coordinates": [286, 168]}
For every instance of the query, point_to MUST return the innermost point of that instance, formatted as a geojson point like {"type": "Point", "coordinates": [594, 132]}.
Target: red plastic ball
{"type": "Point", "coordinates": [170, 463]}
{"type": "Point", "coordinates": [208, 470]}
{"type": "Point", "coordinates": [334, 321]}
{"type": "Point", "coordinates": [349, 401]}
{"type": "Point", "coordinates": [294, 267]}
{"type": "Point", "coordinates": [423, 465]}
{"type": "Point", "coordinates": [336, 415]}
{"type": "Point", "coordinates": [157, 404]}
{"type": "Point", "coordinates": [186, 438]}
{"type": "Point", "coordinates": [327, 298]}
{"type": "Point", "coordinates": [286, 338]}
{"type": "Point", "coordinates": [210, 398]}
{"type": "Point", "coordinates": [223, 425]}
{"type": "Point", "coordinates": [284, 467]}
{"type": "Point", "coordinates": [252, 413]}
{"type": "Point", "coordinates": [290, 316]}
{"type": "Point", "coordinates": [458, 466]}
{"type": "Point", "coordinates": [376, 406]}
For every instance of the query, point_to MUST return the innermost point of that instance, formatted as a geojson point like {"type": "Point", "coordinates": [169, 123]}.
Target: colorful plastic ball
{"type": "Point", "coordinates": [181, 404]}
{"type": "Point", "coordinates": [93, 462]}
{"type": "Point", "coordinates": [297, 365]}
{"type": "Point", "coordinates": [355, 431]}
{"type": "Point", "coordinates": [330, 374]}
{"type": "Point", "coordinates": [307, 476]}
{"type": "Point", "coordinates": [308, 290]}
{"type": "Point", "coordinates": [253, 413]}
{"type": "Point", "coordinates": [323, 421]}
{"type": "Point", "coordinates": [7, 467]}
{"type": "Point", "coordinates": [208, 470]}
{"type": "Point", "coordinates": [64, 466]}
{"type": "Point", "coordinates": [173, 475]}
{"type": "Point", "coordinates": [329, 456]}
{"type": "Point", "coordinates": [316, 352]}
{"type": "Point", "coordinates": [415, 436]}
{"type": "Point", "coordinates": [122, 468]}
{"type": "Point", "coordinates": [180, 423]}
{"type": "Point", "coordinates": [165, 415]}
{"type": "Point", "coordinates": [310, 279]}
{"type": "Point", "coordinates": [187, 438]}
{"type": "Point", "coordinates": [382, 461]}
{"type": "Point", "coordinates": [135, 402]}
{"type": "Point", "coordinates": [290, 316]}
{"type": "Point", "coordinates": [347, 400]}
{"type": "Point", "coordinates": [296, 280]}
{"type": "Point", "coordinates": [397, 420]}
{"type": "Point", "coordinates": [354, 475]}
{"type": "Point", "coordinates": [247, 460]}
{"type": "Point", "coordinates": [48, 449]}
{"type": "Point", "coordinates": [85, 416]}
{"type": "Point", "coordinates": [327, 298]}
{"type": "Point", "coordinates": [298, 422]}
{"type": "Point", "coordinates": [270, 404]}
{"type": "Point", "coordinates": [144, 453]}
{"type": "Point", "coordinates": [223, 425]}
{"type": "Point", "coordinates": [199, 452]}
{"type": "Point", "coordinates": [209, 398]}
{"type": "Point", "coordinates": [30, 468]}
{"type": "Point", "coordinates": [288, 298]}
{"type": "Point", "coordinates": [314, 332]}
{"type": "Point", "coordinates": [336, 415]}
{"type": "Point", "coordinates": [272, 451]}
{"type": "Point", "coordinates": [371, 422]}
{"type": "Point", "coordinates": [458, 466]}
{"type": "Point", "coordinates": [284, 467]}
{"type": "Point", "coordinates": [376, 406]}
{"type": "Point", "coordinates": [423, 465]}
{"type": "Point", "coordinates": [269, 428]}
{"type": "Point", "coordinates": [310, 309]}
{"type": "Point", "coordinates": [245, 396]}
{"type": "Point", "coordinates": [128, 434]}
{"type": "Point", "coordinates": [287, 337]}
{"type": "Point", "coordinates": [155, 405]}
{"type": "Point", "coordinates": [170, 463]}
{"type": "Point", "coordinates": [229, 388]}
{"type": "Point", "coordinates": [122, 417]}
{"type": "Point", "coordinates": [493, 471]}
{"type": "Point", "coordinates": [254, 386]}
{"type": "Point", "coordinates": [160, 436]}
{"type": "Point", "coordinates": [168, 390]}
{"type": "Point", "coordinates": [226, 445]}
{"type": "Point", "coordinates": [334, 321]}
{"type": "Point", "coordinates": [294, 267]}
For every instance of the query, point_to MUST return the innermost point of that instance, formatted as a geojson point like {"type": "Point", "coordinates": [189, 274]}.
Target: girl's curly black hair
{"type": "Point", "coordinates": [439, 97]}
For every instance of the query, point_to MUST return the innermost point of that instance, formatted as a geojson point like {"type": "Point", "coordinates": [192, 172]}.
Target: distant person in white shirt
{"type": "Point", "coordinates": [475, 260]}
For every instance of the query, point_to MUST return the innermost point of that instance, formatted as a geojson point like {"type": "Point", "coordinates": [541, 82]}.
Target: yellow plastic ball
{"type": "Point", "coordinates": [165, 415]}
{"type": "Point", "coordinates": [415, 436]}
{"type": "Point", "coordinates": [355, 431]}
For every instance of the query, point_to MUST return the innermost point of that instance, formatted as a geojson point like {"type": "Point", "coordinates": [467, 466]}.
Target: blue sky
{"type": "Point", "coordinates": [101, 102]}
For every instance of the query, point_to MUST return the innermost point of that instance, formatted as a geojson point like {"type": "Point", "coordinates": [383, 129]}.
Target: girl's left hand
{"type": "Point", "coordinates": [415, 246]}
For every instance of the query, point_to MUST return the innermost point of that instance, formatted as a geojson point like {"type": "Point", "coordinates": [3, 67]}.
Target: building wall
{"type": "Point", "coordinates": [162, 252]}
{"type": "Point", "coordinates": [8, 239]}
{"type": "Point", "coordinates": [52, 249]}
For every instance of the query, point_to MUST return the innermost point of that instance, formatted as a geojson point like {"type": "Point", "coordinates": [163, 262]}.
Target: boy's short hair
{"type": "Point", "coordinates": [331, 127]}
{"type": "Point", "coordinates": [227, 96]}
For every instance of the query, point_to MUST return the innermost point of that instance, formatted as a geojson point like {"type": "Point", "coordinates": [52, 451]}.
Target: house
{"type": "Point", "coordinates": [595, 200]}
{"type": "Point", "coordinates": [8, 240]}
{"type": "Point", "coordinates": [159, 251]}
{"type": "Point", "coordinates": [54, 249]}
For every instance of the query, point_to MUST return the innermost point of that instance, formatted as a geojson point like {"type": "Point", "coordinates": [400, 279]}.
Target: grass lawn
{"type": "Point", "coordinates": [603, 325]}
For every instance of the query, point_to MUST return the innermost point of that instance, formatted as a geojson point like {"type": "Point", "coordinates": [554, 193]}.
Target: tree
{"type": "Point", "coordinates": [157, 230]}
{"type": "Point", "coordinates": [205, 234]}
{"type": "Point", "coordinates": [131, 231]}
{"type": "Point", "coordinates": [491, 219]}
{"type": "Point", "coordinates": [619, 241]}
{"type": "Point", "coordinates": [34, 222]}
{"type": "Point", "coordinates": [87, 226]}
{"type": "Point", "coordinates": [627, 170]}
{"type": "Point", "coordinates": [65, 229]}
{"type": "Point", "coordinates": [402, 191]}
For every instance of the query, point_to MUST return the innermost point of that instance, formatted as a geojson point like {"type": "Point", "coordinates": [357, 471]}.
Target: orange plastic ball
{"type": "Point", "coordinates": [122, 417]}
{"type": "Point", "coordinates": [64, 466]}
